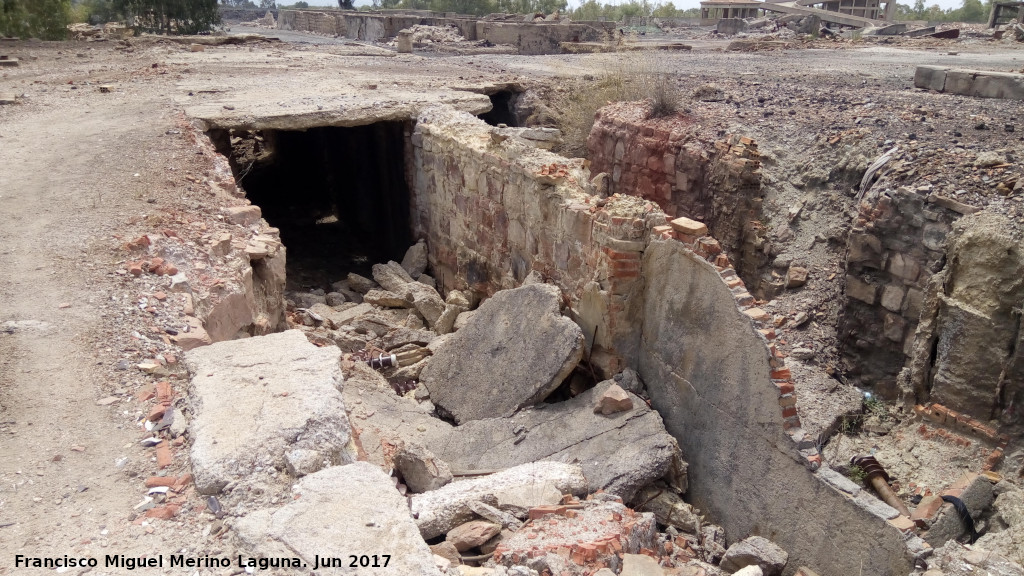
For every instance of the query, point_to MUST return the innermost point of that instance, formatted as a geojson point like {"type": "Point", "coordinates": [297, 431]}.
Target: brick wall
{"type": "Point", "coordinates": [669, 161]}
{"type": "Point", "coordinates": [896, 244]}
{"type": "Point", "coordinates": [494, 211]}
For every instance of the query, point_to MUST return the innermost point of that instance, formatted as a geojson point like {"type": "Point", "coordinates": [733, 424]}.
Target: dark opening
{"type": "Point", "coordinates": [503, 109]}
{"type": "Point", "coordinates": [338, 195]}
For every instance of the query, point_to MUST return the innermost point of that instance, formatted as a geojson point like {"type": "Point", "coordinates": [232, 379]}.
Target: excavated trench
{"type": "Point", "coordinates": [343, 201]}
{"type": "Point", "coordinates": [338, 195]}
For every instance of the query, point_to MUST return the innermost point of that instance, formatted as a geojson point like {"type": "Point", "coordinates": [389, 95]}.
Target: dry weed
{"type": "Point", "coordinates": [633, 77]}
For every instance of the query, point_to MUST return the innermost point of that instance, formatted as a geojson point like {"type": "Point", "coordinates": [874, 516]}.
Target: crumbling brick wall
{"type": "Point", "coordinates": [669, 161]}
{"type": "Point", "coordinates": [665, 303]}
{"type": "Point", "coordinates": [895, 246]}
{"type": "Point", "coordinates": [494, 211]}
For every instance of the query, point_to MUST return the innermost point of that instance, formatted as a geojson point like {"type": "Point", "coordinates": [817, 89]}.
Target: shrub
{"type": "Point", "coordinates": [634, 77]}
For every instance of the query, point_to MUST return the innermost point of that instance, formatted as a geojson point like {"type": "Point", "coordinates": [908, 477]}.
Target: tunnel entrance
{"type": "Point", "coordinates": [338, 195]}
{"type": "Point", "coordinates": [503, 111]}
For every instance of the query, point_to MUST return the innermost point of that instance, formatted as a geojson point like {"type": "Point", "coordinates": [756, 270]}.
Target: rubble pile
{"type": "Point", "coordinates": [384, 389]}
{"type": "Point", "coordinates": [423, 35]}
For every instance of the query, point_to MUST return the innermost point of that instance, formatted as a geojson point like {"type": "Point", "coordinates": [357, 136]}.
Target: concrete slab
{"type": "Point", "coordinates": [340, 512]}
{"type": "Point", "coordinates": [257, 400]}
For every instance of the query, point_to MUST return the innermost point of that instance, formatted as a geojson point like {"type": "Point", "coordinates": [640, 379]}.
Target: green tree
{"type": "Point", "coordinates": [919, 9]}
{"type": "Point", "coordinates": [346, 5]}
{"type": "Point", "coordinates": [46, 19]}
{"type": "Point", "coordinates": [170, 16]}
{"type": "Point", "coordinates": [667, 10]}
{"type": "Point", "coordinates": [589, 10]}
{"type": "Point", "coordinates": [970, 11]}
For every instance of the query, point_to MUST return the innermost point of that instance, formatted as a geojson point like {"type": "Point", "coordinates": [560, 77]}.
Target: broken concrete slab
{"type": "Point", "coordinates": [438, 511]}
{"type": "Point", "coordinates": [391, 276]}
{"type": "Point", "coordinates": [513, 353]}
{"type": "Point", "coordinates": [668, 508]}
{"type": "Point", "coordinates": [641, 564]}
{"type": "Point", "coordinates": [978, 83]}
{"type": "Point", "coordinates": [360, 284]}
{"type": "Point", "coordinates": [387, 299]}
{"type": "Point", "coordinates": [355, 505]}
{"type": "Point", "coordinates": [472, 534]}
{"type": "Point", "coordinates": [421, 470]}
{"type": "Point", "coordinates": [620, 453]}
{"type": "Point", "coordinates": [383, 419]}
{"type": "Point", "coordinates": [258, 399]}
{"type": "Point", "coordinates": [757, 551]}
{"type": "Point", "coordinates": [426, 300]}
{"type": "Point", "coordinates": [415, 260]}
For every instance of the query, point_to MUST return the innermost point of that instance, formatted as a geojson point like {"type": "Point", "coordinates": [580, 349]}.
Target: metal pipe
{"type": "Point", "coordinates": [383, 361]}
{"type": "Point", "coordinates": [879, 480]}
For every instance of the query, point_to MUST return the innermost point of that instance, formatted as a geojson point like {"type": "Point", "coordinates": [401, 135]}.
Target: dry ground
{"type": "Point", "coordinates": [81, 172]}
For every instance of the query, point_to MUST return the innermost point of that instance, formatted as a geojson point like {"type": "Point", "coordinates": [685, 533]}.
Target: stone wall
{"type": "Point", "coordinates": [542, 37]}
{"type": "Point", "coordinates": [528, 37]}
{"type": "Point", "coordinates": [896, 244]}
{"type": "Point", "coordinates": [493, 211]}
{"type": "Point", "coordinates": [243, 14]}
{"type": "Point", "coordinates": [969, 350]}
{"type": "Point", "coordinates": [667, 161]}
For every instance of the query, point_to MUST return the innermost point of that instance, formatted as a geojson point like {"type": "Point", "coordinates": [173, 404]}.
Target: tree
{"type": "Point", "coordinates": [346, 5]}
{"type": "Point", "coordinates": [667, 10]}
{"type": "Point", "coordinates": [971, 11]}
{"type": "Point", "coordinates": [919, 9]}
{"type": "Point", "coordinates": [589, 10]}
{"type": "Point", "coordinates": [45, 19]}
{"type": "Point", "coordinates": [170, 16]}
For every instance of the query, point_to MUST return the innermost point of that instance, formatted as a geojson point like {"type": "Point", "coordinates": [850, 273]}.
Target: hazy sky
{"type": "Point", "coordinates": [681, 4]}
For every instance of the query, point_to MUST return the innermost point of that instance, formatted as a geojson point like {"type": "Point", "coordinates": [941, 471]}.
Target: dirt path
{"type": "Point", "coordinates": [72, 175]}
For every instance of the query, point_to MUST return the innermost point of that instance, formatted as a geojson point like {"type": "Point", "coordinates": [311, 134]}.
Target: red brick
{"type": "Point", "coordinates": [157, 412]}
{"type": "Point", "coordinates": [993, 459]}
{"type": "Point", "coordinates": [163, 391]}
{"type": "Point", "coordinates": [781, 374]}
{"type": "Point", "coordinates": [135, 268]}
{"type": "Point", "coordinates": [163, 455]}
{"type": "Point", "coordinates": [617, 255]}
{"type": "Point", "coordinates": [789, 412]}
{"type": "Point", "coordinates": [541, 511]}
{"type": "Point", "coordinates": [155, 481]}
{"type": "Point", "coordinates": [927, 508]}
{"type": "Point", "coordinates": [785, 387]}
{"type": "Point", "coordinates": [182, 482]}
{"type": "Point", "coordinates": [625, 266]}
{"type": "Point", "coordinates": [710, 245]}
{"type": "Point", "coordinates": [790, 423]}
{"type": "Point", "coordinates": [147, 392]}
{"type": "Point", "coordinates": [164, 512]}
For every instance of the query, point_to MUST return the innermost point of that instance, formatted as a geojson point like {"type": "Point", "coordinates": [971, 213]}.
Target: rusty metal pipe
{"type": "Point", "coordinates": [876, 476]}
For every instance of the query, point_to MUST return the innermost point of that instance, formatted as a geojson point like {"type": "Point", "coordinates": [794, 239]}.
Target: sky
{"type": "Point", "coordinates": [681, 4]}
